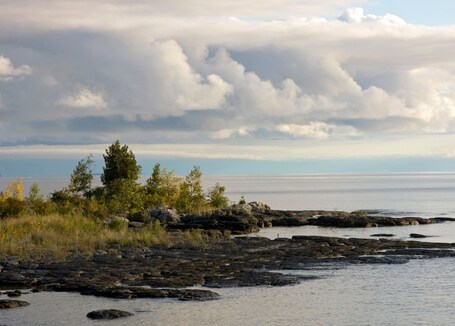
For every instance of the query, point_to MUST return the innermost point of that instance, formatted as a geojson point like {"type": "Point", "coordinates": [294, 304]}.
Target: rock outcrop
{"type": "Point", "coordinates": [108, 314]}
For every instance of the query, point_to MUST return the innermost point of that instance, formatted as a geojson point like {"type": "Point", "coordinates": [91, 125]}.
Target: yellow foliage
{"type": "Point", "coordinates": [14, 190]}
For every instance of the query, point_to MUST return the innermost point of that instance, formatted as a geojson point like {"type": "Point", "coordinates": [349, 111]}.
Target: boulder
{"type": "Point", "coordinates": [9, 304]}
{"type": "Point", "coordinates": [259, 207]}
{"type": "Point", "coordinates": [108, 314]}
{"type": "Point", "coordinates": [166, 215]}
{"type": "Point", "coordinates": [242, 209]}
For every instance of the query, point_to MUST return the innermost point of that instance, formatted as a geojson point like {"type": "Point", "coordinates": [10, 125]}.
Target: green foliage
{"type": "Point", "coordinates": [216, 196]}
{"type": "Point", "coordinates": [120, 164]}
{"type": "Point", "coordinates": [162, 188]}
{"type": "Point", "coordinates": [191, 196]}
{"type": "Point", "coordinates": [82, 177]}
{"type": "Point", "coordinates": [125, 195]}
{"type": "Point", "coordinates": [242, 200]}
{"type": "Point", "coordinates": [120, 191]}
{"type": "Point", "coordinates": [34, 194]}
{"type": "Point", "coordinates": [12, 207]}
{"type": "Point", "coordinates": [118, 224]}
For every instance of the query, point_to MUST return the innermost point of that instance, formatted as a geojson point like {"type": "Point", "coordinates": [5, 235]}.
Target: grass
{"type": "Point", "coordinates": [57, 236]}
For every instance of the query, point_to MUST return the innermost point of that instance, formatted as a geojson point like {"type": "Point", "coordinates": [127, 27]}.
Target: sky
{"type": "Point", "coordinates": [278, 86]}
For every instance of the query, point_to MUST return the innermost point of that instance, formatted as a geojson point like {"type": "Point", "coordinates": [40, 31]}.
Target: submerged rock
{"type": "Point", "coordinates": [108, 314]}
{"type": "Point", "coordinates": [9, 304]}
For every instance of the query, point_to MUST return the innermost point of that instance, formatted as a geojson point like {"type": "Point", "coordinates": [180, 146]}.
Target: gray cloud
{"type": "Point", "coordinates": [152, 73]}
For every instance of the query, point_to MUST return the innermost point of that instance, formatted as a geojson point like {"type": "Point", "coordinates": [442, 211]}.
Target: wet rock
{"type": "Point", "coordinates": [131, 292]}
{"type": "Point", "coordinates": [9, 304]}
{"type": "Point", "coordinates": [13, 294]}
{"type": "Point", "coordinates": [252, 278]}
{"type": "Point", "coordinates": [108, 314]}
{"type": "Point", "coordinates": [418, 236]}
{"type": "Point", "coordinates": [385, 235]}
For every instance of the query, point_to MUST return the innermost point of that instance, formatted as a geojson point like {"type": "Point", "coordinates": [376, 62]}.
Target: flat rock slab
{"type": "Point", "coordinates": [9, 304]}
{"type": "Point", "coordinates": [108, 314]}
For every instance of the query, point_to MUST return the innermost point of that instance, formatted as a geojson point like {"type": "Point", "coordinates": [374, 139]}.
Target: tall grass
{"type": "Point", "coordinates": [57, 236]}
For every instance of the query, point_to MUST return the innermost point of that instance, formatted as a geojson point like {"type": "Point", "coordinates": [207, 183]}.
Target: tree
{"type": "Point", "coordinates": [82, 177]}
{"type": "Point", "coordinates": [14, 190]}
{"type": "Point", "coordinates": [34, 194]}
{"type": "Point", "coordinates": [162, 188]}
{"type": "Point", "coordinates": [120, 164]}
{"type": "Point", "coordinates": [191, 196]}
{"type": "Point", "coordinates": [217, 199]}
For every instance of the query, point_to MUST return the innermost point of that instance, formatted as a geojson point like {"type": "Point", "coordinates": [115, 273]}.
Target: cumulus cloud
{"type": "Point", "coordinates": [8, 71]}
{"type": "Point", "coordinates": [356, 15]}
{"type": "Point", "coordinates": [84, 99]}
{"type": "Point", "coordinates": [196, 75]}
{"type": "Point", "coordinates": [177, 86]}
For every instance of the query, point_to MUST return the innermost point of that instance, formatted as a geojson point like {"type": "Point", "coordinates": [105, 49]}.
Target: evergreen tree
{"type": "Point", "coordinates": [120, 164]}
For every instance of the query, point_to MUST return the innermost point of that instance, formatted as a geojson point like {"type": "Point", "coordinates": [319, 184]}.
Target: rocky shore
{"type": "Point", "coordinates": [154, 272]}
{"type": "Point", "coordinates": [161, 272]}
{"type": "Point", "coordinates": [249, 218]}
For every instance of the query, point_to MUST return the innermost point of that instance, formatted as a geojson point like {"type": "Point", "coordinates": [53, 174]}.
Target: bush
{"type": "Point", "coordinates": [12, 207]}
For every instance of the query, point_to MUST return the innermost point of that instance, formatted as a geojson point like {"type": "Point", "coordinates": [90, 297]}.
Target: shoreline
{"type": "Point", "coordinates": [157, 272]}
{"type": "Point", "coordinates": [194, 272]}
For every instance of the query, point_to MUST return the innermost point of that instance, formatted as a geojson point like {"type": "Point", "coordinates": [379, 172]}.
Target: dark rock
{"type": "Point", "coordinates": [14, 294]}
{"type": "Point", "coordinates": [443, 219]}
{"type": "Point", "coordinates": [252, 278]}
{"type": "Point", "coordinates": [418, 236]}
{"type": "Point", "coordinates": [9, 304]}
{"type": "Point", "coordinates": [108, 314]}
{"type": "Point", "coordinates": [388, 235]}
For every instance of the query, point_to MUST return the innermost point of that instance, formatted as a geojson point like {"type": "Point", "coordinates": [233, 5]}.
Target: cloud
{"type": "Point", "coordinates": [190, 73]}
{"type": "Point", "coordinates": [229, 133]}
{"type": "Point", "coordinates": [84, 99]}
{"type": "Point", "coordinates": [8, 71]}
{"type": "Point", "coordinates": [356, 15]}
{"type": "Point", "coordinates": [316, 130]}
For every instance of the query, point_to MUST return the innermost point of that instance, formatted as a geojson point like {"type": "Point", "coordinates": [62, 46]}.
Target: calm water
{"type": "Point", "coordinates": [422, 194]}
{"type": "Point", "coordinates": [417, 293]}
{"type": "Point", "coordinates": [420, 292]}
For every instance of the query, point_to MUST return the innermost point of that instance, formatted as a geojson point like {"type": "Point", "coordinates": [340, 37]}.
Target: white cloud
{"type": "Point", "coordinates": [188, 72]}
{"type": "Point", "coordinates": [229, 133]}
{"type": "Point", "coordinates": [316, 130]}
{"type": "Point", "coordinates": [356, 15]}
{"type": "Point", "coordinates": [8, 71]}
{"type": "Point", "coordinates": [177, 86]}
{"type": "Point", "coordinates": [84, 99]}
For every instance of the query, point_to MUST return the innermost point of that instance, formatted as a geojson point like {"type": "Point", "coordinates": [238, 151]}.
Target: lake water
{"type": "Point", "coordinates": [420, 292]}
